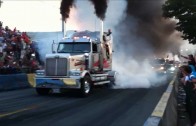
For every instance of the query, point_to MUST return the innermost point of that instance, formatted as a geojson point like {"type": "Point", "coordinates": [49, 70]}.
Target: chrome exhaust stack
{"type": "Point", "coordinates": [101, 55]}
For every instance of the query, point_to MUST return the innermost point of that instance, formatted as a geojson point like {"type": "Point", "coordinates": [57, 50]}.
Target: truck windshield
{"type": "Point", "coordinates": [73, 47]}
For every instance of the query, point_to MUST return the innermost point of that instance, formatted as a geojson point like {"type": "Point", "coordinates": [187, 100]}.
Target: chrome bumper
{"type": "Point", "coordinates": [46, 82]}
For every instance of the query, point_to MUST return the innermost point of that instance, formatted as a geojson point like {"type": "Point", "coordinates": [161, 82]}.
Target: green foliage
{"type": "Point", "coordinates": [185, 12]}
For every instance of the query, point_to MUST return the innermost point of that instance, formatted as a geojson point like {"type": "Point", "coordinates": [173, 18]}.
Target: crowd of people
{"type": "Point", "coordinates": [17, 51]}
{"type": "Point", "coordinates": [188, 83]}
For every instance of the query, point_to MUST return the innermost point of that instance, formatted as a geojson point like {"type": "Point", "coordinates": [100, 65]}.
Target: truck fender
{"type": "Point", "coordinates": [85, 72]}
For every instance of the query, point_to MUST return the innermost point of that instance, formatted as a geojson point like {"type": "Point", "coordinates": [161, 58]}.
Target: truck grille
{"type": "Point", "coordinates": [56, 67]}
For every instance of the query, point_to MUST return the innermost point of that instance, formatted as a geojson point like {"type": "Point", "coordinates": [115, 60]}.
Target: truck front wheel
{"type": "Point", "coordinates": [85, 86]}
{"type": "Point", "coordinates": [42, 91]}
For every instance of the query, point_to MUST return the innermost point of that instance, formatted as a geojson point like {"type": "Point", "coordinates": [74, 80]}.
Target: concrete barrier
{"type": "Point", "coordinates": [165, 113]}
{"type": "Point", "coordinates": [16, 81]}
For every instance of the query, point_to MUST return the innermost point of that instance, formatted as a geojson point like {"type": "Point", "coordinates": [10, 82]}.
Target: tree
{"type": "Point", "coordinates": [185, 13]}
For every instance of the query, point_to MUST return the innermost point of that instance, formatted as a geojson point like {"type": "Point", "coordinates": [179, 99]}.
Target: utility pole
{"type": "Point", "coordinates": [1, 2]}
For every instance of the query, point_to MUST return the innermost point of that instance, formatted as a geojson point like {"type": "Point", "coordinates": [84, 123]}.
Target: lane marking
{"type": "Point", "coordinates": [17, 111]}
{"type": "Point", "coordinates": [22, 110]}
{"type": "Point", "coordinates": [161, 106]}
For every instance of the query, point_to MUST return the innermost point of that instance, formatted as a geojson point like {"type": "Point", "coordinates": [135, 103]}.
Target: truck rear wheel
{"type": "Point", "coordinates": [85, 86]}
{"type": "Point", "coordinates": [42, 91]}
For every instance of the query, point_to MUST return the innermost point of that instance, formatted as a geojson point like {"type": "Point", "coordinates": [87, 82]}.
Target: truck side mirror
{"type": "Point", "coordinates": [98, 42]}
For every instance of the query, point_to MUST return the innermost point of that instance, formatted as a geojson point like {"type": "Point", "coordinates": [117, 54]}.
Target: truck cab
{"type": "Point", "coordinates": [80, 62]}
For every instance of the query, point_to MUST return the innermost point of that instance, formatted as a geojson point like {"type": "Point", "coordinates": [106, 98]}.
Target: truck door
{"type": "Point", "coordinates": [95, 57]}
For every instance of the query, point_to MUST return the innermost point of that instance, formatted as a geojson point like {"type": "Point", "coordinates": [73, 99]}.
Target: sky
{"type": "Point", "coordinates": [31, 15]}
{"type": "Point", "coordinates": [44, 15]}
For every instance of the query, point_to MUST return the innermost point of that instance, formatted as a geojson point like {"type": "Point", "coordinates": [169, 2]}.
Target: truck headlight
{"type": "Point", "coordinates": [33, 54]}
{"type": "Point", "coordinates": [172, 68]}
{"type": "Point", "coordinates": [161, 68]}
{"type": "Point", "coordinates": [74, 73]}
{"type": "Point", "coordinates": [39, 72]}
{"type": "Point", "coordinates": [86, 54]}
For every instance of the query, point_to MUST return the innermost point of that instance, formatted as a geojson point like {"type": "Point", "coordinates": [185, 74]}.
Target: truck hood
{"type": "Point", "coordinates": [64, 55]}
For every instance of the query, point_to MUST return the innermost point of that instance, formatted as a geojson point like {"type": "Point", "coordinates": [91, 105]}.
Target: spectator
{"type": "Point", "coordinates": [191, 62]}
{"type": "Point", "coordinates": [15, 50]}
{"type": "Point", "coordinates": [188, 80]}
{"type": "Point", "coordinates": [190, 58]}
{"type": "Point", "coordinates": [2, 58]}
{"type": "Point", "coordinates": [186, 72]}
{"type": "Point", "coordinates": [1, 47]}
{"type": "Point", "coordinates": [1, 24]}
{"type": "Point", "coordinates": [193, 107]}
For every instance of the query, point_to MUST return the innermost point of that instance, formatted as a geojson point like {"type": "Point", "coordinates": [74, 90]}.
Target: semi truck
{"type": "Point", "coordinates": [80, 62]}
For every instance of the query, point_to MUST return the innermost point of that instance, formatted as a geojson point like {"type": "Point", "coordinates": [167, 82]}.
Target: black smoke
{"type": "Point", "coordinates": [145, 31]}
{"type": "Point", "coordinates": [99, 5]}
{"type": "Point", "coordinates": [65, 8]}
{"type": "Point", "coordinates": [100, 8]}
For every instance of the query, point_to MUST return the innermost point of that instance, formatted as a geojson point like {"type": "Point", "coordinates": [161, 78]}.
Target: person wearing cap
{"type": "Point", "coordinates": [189, 81]}
{"type": "Point", "coordinates": [190, 58]}
{"type": "Point", "coordinates": [2, 58]}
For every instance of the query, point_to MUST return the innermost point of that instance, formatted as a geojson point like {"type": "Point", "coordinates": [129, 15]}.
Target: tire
{"type": "Point", "coordinates": [111, 84]}
{"type": "Point", "coordinates": [86, 86]}
{"type": "Point", "coordinates": [112, 80]}
{"type": "Point", "coordinates": [42, 91]}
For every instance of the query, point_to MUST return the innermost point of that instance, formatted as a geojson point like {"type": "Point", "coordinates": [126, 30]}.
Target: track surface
{"type": "Point", "coordinates": [105, 107]}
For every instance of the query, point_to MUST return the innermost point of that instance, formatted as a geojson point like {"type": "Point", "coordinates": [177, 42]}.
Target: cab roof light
{"type": "Point", "coordinates": [86, 37]}
{"type": "Point", "coordinates": [76, 38]}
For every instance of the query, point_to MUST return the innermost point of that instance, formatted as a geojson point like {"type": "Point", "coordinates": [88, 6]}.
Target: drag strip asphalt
{"type": "Point", "coordinates": [104, 107]}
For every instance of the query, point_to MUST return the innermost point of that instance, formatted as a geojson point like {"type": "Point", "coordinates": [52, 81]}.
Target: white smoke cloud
{"type": "Point", "coordinates": [187, 48]}
{"type": "Point", "coordinates": [132, 74]}
{"type": "Point", "coordinates": [44, 41]}
{"type": "Point", "coordinates": [82, 16]}
{"type": "Point", "coordinates": [115, 13]}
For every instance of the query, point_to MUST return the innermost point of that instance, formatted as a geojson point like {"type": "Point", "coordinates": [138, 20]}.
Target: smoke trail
{"type": "Point", "coordinates": [44, 41]}
{"type": "Point", "coordinates": [130, 58]}
{"type": "Point", "coordinates": [155, 31]}
{"type": "Point", "coordinates": [65, 8]}
{"type": "Point", "coordinates": [141, 35]}
{"type": "Point", "coordinates": [99, 5]}
{"type": "Point", "coordinates": [134, 74]}
{"type": "Point", "coordinates": [100, 8]}
{"type": "Point", "coordinates": [83, 16]}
